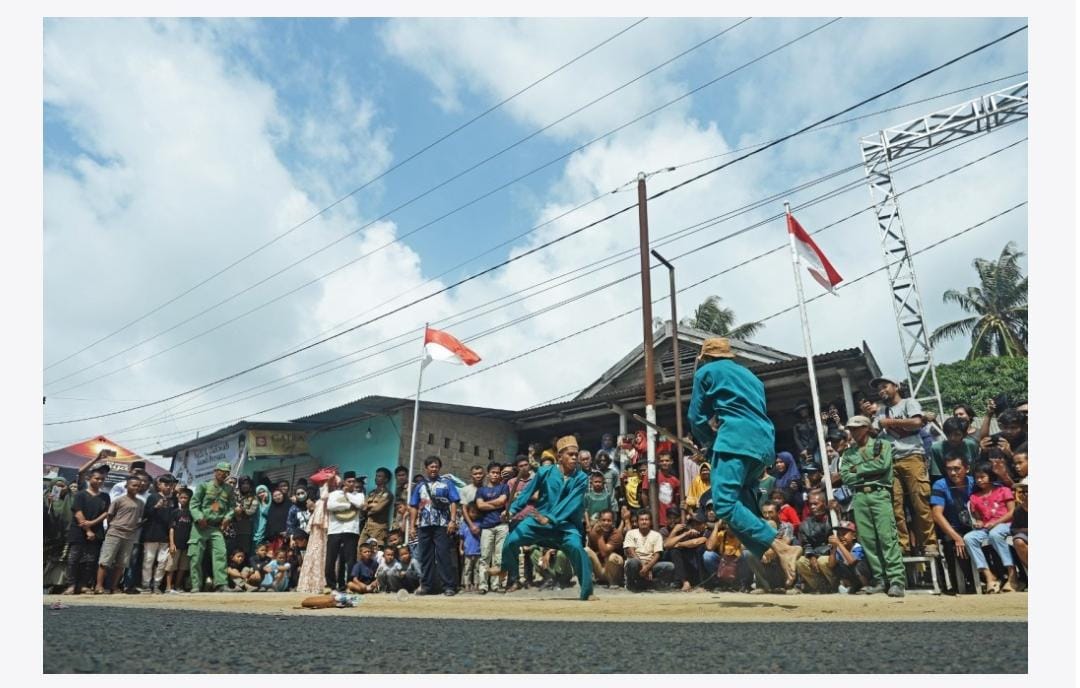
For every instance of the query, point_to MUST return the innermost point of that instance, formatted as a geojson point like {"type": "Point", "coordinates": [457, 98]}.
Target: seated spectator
{"type": "Point", "coordinates": [363, 577]}
{"type": "Point", "coordinates": [605, 547]}
{"type": "Point", "coordinates": [684, 546]}
{"type": "Point", "coordinates": [949, 498]}
{"type": "Point", "coordinates": [643, 547]}
{"type": "Point", "coordinates": [403, 575]}
{"type": "Point", "coordinates": [768, 572]}
{"type": "Point", "coordinates": [1011, 439]}
{"type": "Point", "coordinates": [812, 480]}
{"type": "Point", "coordinates": [785, 511]}
{"type": "Point", "coordinates": [276, 572]}
{"type": "Point", "coordinates": [956, 443]}
{"type": "Point", "coordinates": [848, 560]}
{"type": "Point", "coordinates": [812, 566]}
{"type": "Point", "coordinates": [992, 508]}
{"type": "Point", "coordinates": [765, 487]}
{"type": "Point", "coordinates": [553, 567]}
{"type": "Point", "coordinates": [723, 558]}
{"type": "Point", "coordinates": [1019, 527]}
{"type": "Point", "coordinates": [388, 565]}
{"type": "Point", "coordinates": [261, 557]}
{"type": "Point", "coordinates": [242, 577]}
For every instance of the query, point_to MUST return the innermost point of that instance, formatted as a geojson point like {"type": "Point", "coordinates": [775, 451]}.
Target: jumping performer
{"type": "Point", "coordinates": [727, 413]}
{"type": "Point", "coordinates": [558, 517]}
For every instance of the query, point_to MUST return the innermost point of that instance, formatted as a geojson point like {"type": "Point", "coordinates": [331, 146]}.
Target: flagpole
{"type": "Point", "coordinates": [809, 348]}
{"type": "Point", "coordinates": [416, 421]}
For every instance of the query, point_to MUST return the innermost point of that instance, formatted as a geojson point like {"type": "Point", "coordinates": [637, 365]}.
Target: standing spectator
{"type": "Point", "coordinates": [363, 579]}
{"type": "Point", "coordinates": [867, 468]}
{"type": "Point", "coordinates": [86, 531]}
{"type": "Point", "coordinates": [262, 507]}
{"type": "Point", "coordinates": [125, 514]}
{"type": "Point", "coordinates": [401, 486]}
{"type": "Point", "coordinates": [900, 421]}
{"type": "Point", "coordinates": [377, 507]}
{"type": "Point", "coordinates": [178, 564]}
{"type": "Point", "coordinates": [701, 486]}
{"type": "Point", "coordinates": [692, 463]}
{"type": "Point", "coordinates": [521, 482]}
{"type": "Point", "coordinates": [643, 547]}
{"type": "Point", "coordinates": [1019, 526]}
{"type": "Point", "coordinates": [243, 521]}
{"type": "Point", "coordinates": [277, 516]}
{"type": "Point", "coordinates": [668, 490]}
{"type": "Point", "coordinates": [491, 502]}
{"type": "Point", "coordinates": [343, 531]}
{"type": "Point", "coordinates": [58, 518]}
{"type": "Point", "coordinates": [607, 447]}
{"type": "Point", "coordinates": [610, 473]}
{"type": "Point", "coordinates": [949, 499]}
{"type": "Point", "coordinates": [957, 443]}
{"type": "Point", "coordinates": [470, 551]}
{"type": "Point", "coordinates": [635, 488]}
{"type": "Point", "coordinates": [971, 424]}
{"type": "Point", "coordinates": [992, 509]}
{"type": "Point", "coordinates": [157, 517]}
{"type": "Point", "coordinates": [812, 566]}
{"type": "Point", "coordinates": [298, 521]}
{"type": "Point", "coordinates": [597, 499]}
{"type": "Point", "coordinates": [313, 570]}
{"type": "Point", "coordinates": [212, 509]}
{"type": "Point", "coordinates": [804, 431]}
{"type": "Point", "coordinates": [684, 544]}
{"type": "Point", "coordinates": [433, 507]}
{"type": "Point", "coordinates": [585, 461]}
{"type": "Point", "coordinates": [467, 493]}
{"type": "Point", "coordinates": [605, 550]}
{"type": "Point", "coordinates": [133, 571]}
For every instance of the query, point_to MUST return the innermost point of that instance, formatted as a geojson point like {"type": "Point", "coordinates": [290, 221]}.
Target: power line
{"type": "Point", "coordinates": [609, 320]}
{"type": "Point", "coordinates": [401, 206]}
{"type": "Point", "coordinates": [801, 206]}
{"type": "Point", "coordinates": [358, 189]}
{"type": "Point", "coordinates": [556, 240]}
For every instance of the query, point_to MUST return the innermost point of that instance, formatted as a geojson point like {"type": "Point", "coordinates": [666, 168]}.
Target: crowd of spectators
{"type": "Point", "coordinates": [959, 496]}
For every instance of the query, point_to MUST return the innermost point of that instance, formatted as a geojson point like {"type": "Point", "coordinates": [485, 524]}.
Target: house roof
{"type": "Point", "coordinates": [367, 407]}
{"type": "Point", "coordinates": [747, 351]}
{"type": "Point", "coordinates": [236, 427]}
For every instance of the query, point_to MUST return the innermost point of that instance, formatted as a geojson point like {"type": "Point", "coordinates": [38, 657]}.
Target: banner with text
{"type": "Point", "coordinates": [195, 465]}
{"type": "Point", "coordinates": [277, 443]}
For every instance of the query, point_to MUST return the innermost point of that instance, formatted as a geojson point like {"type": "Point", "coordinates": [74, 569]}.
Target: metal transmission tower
{"type": "Point", "coordinates": [879, 150]}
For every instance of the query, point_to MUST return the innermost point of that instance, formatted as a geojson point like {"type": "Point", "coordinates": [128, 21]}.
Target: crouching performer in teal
{"type": "Point", "coordinates": [559, 515]}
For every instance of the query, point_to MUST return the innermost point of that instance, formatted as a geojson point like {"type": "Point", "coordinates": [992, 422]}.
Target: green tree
{"type": "Point", "coordinates": [973, 381]}
{"type": "Point", "coordinates": [711, 317]}
{"type": "Point", "coordinates": [998, 325]}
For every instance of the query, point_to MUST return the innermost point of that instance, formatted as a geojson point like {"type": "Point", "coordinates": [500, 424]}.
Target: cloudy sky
{"type": "Point", "coordinates": [175, 149]}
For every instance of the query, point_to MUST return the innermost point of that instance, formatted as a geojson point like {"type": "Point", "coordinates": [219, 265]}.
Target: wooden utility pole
{"type": "Point", "coordinates": [650, 372]}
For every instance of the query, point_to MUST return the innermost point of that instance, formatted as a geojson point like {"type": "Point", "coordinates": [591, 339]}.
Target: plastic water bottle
{"type": "Point", "coordinates": [403, 595]}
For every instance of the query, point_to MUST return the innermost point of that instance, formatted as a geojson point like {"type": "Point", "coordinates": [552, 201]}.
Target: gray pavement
{"type": "Point", "coordinates": [132, 640]}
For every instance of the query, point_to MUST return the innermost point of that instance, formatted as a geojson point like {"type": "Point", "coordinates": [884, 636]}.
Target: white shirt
{"type": "Point", "coordinates": [644, 546]}
{"type": "Point", "coordinates": [340, 501]}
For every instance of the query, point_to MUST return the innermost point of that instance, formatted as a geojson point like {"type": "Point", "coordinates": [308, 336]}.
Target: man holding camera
{"type": "Point", "coordinates": [899, 421]}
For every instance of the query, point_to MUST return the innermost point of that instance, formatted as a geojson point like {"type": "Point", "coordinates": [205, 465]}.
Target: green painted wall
{"type": "Point", "coordinates": [348, 448]}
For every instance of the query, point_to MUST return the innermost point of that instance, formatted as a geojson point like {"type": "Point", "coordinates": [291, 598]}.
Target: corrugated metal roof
{"type": "Point", "coordinates": [375, 405]}
{"type": "Point", "coordinates": [236, 427]}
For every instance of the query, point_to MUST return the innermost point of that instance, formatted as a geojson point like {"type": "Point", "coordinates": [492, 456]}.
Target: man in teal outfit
{"type": "Point", "coordinates": [727, 413]}
{"type": "Point", "coordinates": [558, 517]}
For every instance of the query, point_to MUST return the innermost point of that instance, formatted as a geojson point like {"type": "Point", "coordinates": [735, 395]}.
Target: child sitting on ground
{"type": "Point", "coordinates": [276, 576]}
{"type": "Point", "coordinates": [848, 560]}
{"type": "Point", "coordinates": [364, 572]}
{"type": "Point", "coordinates": [785, 511]}
{"type": "Point", "coordinates": [241, 576]}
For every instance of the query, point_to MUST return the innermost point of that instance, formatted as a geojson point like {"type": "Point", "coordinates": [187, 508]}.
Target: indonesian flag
{"type": "Point", "coordinates": [811, 256]}
{"type": "Point", "coordinates": [442, 346]}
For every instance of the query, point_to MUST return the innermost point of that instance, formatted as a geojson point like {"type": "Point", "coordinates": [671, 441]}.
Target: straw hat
{"type": "Point", "coordinates": [716, 347]}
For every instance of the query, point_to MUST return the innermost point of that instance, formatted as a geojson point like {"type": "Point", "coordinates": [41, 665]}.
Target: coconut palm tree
{"type": "Point", "coordinates": [998, 325]}
{"type": "Point", "coordinates": [711, 317]}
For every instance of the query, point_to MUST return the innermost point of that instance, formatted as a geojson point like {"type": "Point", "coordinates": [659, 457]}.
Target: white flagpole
{"type": "Point", "coordinates": [415, 422]}
{"type": "Point", "coordinates": [810, 368]}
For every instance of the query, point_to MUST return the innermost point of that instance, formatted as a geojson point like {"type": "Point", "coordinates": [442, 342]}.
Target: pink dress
{"type": "Point", "coordinates": [312, 577]}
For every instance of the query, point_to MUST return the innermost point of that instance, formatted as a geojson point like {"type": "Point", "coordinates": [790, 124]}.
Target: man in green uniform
{"type": "Point", "coordinates": [867, 470]}
{"type": "Point", "coordinates": [727, 416]}
{"type": "Point", "coordinates": [211, 510]}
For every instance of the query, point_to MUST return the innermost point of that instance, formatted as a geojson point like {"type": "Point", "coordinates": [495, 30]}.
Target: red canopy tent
{"type": "Point", "coordinates": [79, 457]}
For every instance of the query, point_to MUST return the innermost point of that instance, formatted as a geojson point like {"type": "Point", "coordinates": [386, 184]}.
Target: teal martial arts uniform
{"type": "Point", "coordinates": [741, 449]}
{"type": "Point", "coordinates": [562, 500]}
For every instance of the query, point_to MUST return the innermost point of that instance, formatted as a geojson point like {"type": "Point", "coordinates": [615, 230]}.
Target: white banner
{"type": "Point", "coordinates": [195, 465]}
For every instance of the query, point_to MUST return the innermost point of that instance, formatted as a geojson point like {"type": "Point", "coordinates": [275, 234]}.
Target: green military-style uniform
{"type": "Point", "coordinates": [214, 503]}
{"type": "Point", "coordinates": [868, 472]}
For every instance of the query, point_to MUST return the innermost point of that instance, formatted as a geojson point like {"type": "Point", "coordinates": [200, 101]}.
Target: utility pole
{"type": "Point", "coordinates": [678, 368]}
{"type": "Point", "coordinates": [650, 372]}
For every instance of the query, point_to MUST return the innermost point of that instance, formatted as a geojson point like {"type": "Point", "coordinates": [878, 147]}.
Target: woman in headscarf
{"type": "Point", "coordinates": [312, 571]}
{"type": "Point", "coordinates": [701, 485]}
{"type": "Point", "coordinates": [58, 501]}
{"type": "Point", "coordinates": [262, 494]}
{"type": "Point", "coordinates": [277, 517]}
{"type": "Point", "coordinates": [788, 478]}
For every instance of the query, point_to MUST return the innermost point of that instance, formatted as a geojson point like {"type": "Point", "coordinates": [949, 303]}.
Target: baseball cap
{"type": "Point", "coordinates": [877, 382]}
{"type": "Point", "coordinates": [223, 466]}
{"type": "Point", "coordinates": [858, 422]}
{"type": "Point", "coordinates": [846, 525]}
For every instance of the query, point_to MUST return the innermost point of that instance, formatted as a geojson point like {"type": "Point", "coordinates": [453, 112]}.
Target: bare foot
{"type": "Point", "coordinates": [788, 555]}
{"type": "Point", "coordinates": [513, 588]}
{"type": "Point", "coordinates": [686, 586]}
{"type": "Point", "coordinates": [69, 591]}
{"type": "Point", "coordinates": [591, 598]}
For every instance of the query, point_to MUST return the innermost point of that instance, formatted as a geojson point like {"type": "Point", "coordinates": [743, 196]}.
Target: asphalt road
{"type": "Point", "coordinates": [203, 642]}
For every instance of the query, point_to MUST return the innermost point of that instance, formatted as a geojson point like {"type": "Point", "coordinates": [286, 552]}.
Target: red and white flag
{"type": "Point", "coordinates": [442, 346]}
{"type": "Point", "coordinates": [811, 256]}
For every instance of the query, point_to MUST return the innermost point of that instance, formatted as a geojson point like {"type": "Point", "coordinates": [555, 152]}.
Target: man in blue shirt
{"type": "Point", "coordinates": [558, 517]}
{"type": "Point", "coordinates": [949, 506]}
{"type": "Point", "coordinates": [491, 501]}
{"type": "Point", "coordinates": [433, 508]}
{"type": "Point", "coordinates": [727, 416]}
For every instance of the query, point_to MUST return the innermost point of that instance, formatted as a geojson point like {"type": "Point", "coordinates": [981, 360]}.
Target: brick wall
{"type": "Point", "coordinates": [470, 440]}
